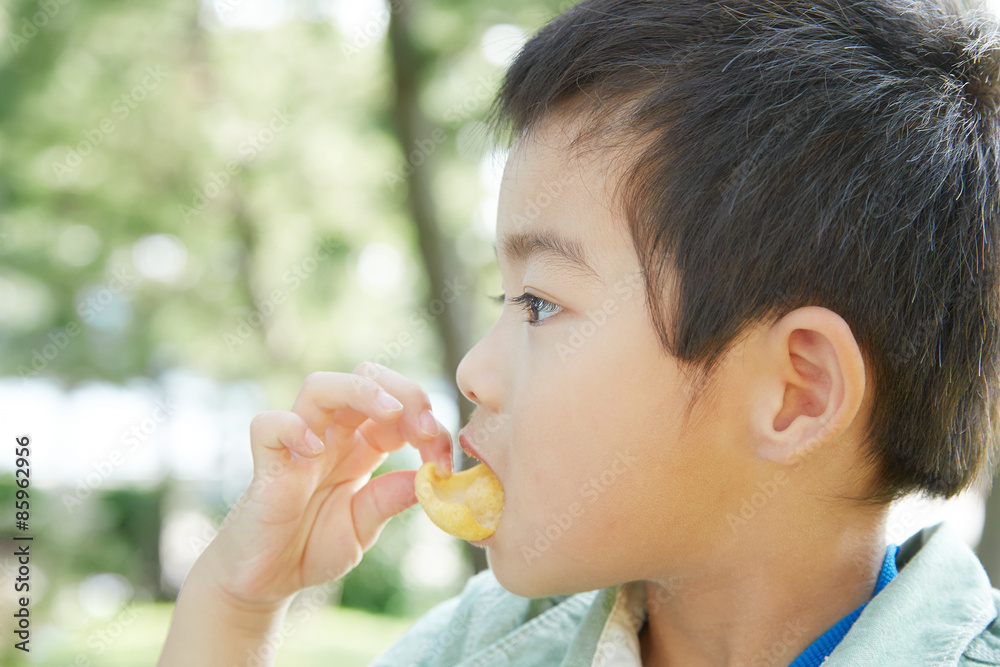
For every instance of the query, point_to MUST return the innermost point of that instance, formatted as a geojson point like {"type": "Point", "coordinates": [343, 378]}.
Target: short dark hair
{"type": "Point", "coordinates": [839, 153]}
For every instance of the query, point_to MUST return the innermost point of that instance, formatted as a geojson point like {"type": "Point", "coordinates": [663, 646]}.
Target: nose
{"type": "Point", "coordinates": [477, 375]}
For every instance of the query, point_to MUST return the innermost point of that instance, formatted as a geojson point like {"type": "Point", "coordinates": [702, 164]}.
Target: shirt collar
{"type": "Point", "coordinates": [936, 560]}
{"type": "Point", "coordinates": [928, 614]}
{"type": "Point", "coordinates": [816, 653]}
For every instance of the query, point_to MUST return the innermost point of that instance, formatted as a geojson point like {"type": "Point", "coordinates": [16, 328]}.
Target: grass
{"type": "Point", "coordinates": [328, 636]}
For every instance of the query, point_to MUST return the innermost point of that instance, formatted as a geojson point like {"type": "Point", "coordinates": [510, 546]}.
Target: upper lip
{"type": "Point", "coordinates": [466, 444]}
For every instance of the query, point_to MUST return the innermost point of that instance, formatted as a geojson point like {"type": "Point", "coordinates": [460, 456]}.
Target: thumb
{"type": "Point", "coordinates": [378, 501]}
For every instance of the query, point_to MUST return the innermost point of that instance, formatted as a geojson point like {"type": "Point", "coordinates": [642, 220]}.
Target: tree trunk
{"type": "Point", "coordinates": [440, 261]}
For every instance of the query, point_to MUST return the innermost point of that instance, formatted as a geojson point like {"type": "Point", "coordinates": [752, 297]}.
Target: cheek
{"type": "Point", "coordinates": [544, 468]}
{"type": "Point", "coordinates": [572, 471]}
{"type": "Point", "coordinates": [600, 462]}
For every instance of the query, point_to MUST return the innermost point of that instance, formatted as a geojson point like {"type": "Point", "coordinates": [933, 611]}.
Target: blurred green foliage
{"type": "Point", "coordinates": [120, 121]}
{"type": "Point", "coordinates": [179, 194]}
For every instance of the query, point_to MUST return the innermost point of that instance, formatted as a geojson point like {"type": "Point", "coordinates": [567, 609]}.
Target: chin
{"type": "Point", "coordinates": [528, 578]}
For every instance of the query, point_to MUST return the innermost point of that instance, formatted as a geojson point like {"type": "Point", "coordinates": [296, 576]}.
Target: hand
{"type": "Point", "coordinates": [312, 509]}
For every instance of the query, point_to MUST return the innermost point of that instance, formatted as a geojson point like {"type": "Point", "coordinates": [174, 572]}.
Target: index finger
{"type": "Point", "coordinates": [350, 396]}
{"type": "Point", "coordinates": [322, 402]}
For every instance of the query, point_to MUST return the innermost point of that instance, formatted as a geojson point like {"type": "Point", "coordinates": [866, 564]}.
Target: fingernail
{"type": "Point", "coordinates": [387, 401]}
{"type": "Point", "coordinates": [313, 443]}
{"type": "Point", "coordinates": [428, 424]}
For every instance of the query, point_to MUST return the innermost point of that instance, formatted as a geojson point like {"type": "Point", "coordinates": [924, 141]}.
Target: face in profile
{"type": "Point", "coordinates": [580, 413]}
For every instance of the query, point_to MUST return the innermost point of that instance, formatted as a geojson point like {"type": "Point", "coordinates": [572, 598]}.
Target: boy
{"type": "Point", "coordinates": [751, 256]}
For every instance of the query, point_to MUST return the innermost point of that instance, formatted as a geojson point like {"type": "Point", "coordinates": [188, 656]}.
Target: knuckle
{"type": "Point", "coordinates": [369, 369]}
{"type": "Point", "coordinates": [259, 423]}
{"type": "Point", "coordinates": [417, 395]}
{"type": "Point", "coordinates": [273, 420]}
{"type": "Point", "coordinates": [364, 386]}
{"type": "Point", "coordinates": [425, 400]}
{"type": "Point", "coordinates": [313, 379]}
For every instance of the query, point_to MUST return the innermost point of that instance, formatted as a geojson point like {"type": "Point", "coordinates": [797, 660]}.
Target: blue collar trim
{"type": "Point", "coordinates": [817, 652]}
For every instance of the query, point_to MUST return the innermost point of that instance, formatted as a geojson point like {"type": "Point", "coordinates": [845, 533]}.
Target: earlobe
{"type": "Point", "coordinates": [813, 384]}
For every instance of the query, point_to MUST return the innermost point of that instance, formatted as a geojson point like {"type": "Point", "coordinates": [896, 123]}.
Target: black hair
{"type": "Point", "coordinates": [841, 153]}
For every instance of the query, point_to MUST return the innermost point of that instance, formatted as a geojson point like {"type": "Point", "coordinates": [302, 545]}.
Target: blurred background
{"type": "Point", "coordinates": [200, 204]}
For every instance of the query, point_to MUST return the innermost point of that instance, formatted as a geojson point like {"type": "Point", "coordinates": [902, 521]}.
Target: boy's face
{"type": "Point", "coordinates": [583, 418]}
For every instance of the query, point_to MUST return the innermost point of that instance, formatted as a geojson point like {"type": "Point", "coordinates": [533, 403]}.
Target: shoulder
{"type": "Point", "coordinates": [442, 630]}
{"type": "Point", "coordinates": [482, 616]}
{"type": "Point", "coordinates": [984, 649]}
{"type": "Point", "coordinates": [940, 609]}
{"type": "Point", "coordinates": [967, 603]}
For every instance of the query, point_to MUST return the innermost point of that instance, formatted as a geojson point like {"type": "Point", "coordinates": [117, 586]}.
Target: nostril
{"type": "Point", "coordinates": [469, 394]}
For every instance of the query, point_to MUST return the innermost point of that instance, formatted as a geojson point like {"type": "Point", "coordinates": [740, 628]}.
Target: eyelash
{"type": "Point", "coordinates": [525, 303]}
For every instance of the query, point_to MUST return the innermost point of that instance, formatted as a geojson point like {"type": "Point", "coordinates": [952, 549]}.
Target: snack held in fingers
{"type": "Point", "coordinates": [465, 504]}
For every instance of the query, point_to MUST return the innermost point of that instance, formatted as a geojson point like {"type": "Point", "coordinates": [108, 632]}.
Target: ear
{"type": "Point", "coordinates": [810, 384]}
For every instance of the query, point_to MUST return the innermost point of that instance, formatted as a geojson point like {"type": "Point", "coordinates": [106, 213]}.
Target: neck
{"type": "Point", "coordinates": [766, 598]}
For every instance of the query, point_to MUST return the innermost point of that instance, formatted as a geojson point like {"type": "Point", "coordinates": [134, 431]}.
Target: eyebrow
{"type": "Point", "coordinates": [522, 246]}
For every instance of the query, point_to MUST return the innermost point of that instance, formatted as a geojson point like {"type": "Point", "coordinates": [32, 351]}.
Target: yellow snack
{"type": "Point", "coordinates": [466, 504]}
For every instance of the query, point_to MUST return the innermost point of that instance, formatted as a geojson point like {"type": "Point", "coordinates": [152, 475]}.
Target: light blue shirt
{"type": "Point", "coordinates": [938, 611]}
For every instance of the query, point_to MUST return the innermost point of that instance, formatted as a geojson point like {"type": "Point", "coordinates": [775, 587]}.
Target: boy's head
{"type": "Point", "coordinates": [789, 213]}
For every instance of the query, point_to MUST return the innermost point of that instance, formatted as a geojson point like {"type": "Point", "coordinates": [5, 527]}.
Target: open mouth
{"type": "Point", "coordinates": [466, 445]}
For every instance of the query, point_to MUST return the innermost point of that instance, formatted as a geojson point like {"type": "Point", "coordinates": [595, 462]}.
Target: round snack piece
{"type": "Point", "coordinates": [466, 504]}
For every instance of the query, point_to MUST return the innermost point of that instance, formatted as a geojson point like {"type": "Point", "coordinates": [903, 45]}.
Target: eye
{"type": "Point", "coordinates": [530, 303]}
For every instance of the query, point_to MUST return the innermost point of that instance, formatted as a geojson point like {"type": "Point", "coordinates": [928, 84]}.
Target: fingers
{"type": "Point", "coordinates": [351, 397]}
{"type": "Point", "coordinates": [273, 434]}
{"type": "Point", "coordinates": [386, 438]}
{"type": "Point", "coordinates": [336, 404]}
{"type": "Point", "coordinates": [379, 439]}
{"type": "Point", "coordinates": [434, 444]}
{"type": "Point", "coordinates": [378, 501]}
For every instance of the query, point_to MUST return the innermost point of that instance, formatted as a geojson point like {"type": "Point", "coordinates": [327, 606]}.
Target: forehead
{"type": "Point", "coordinates": [556, 204]}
